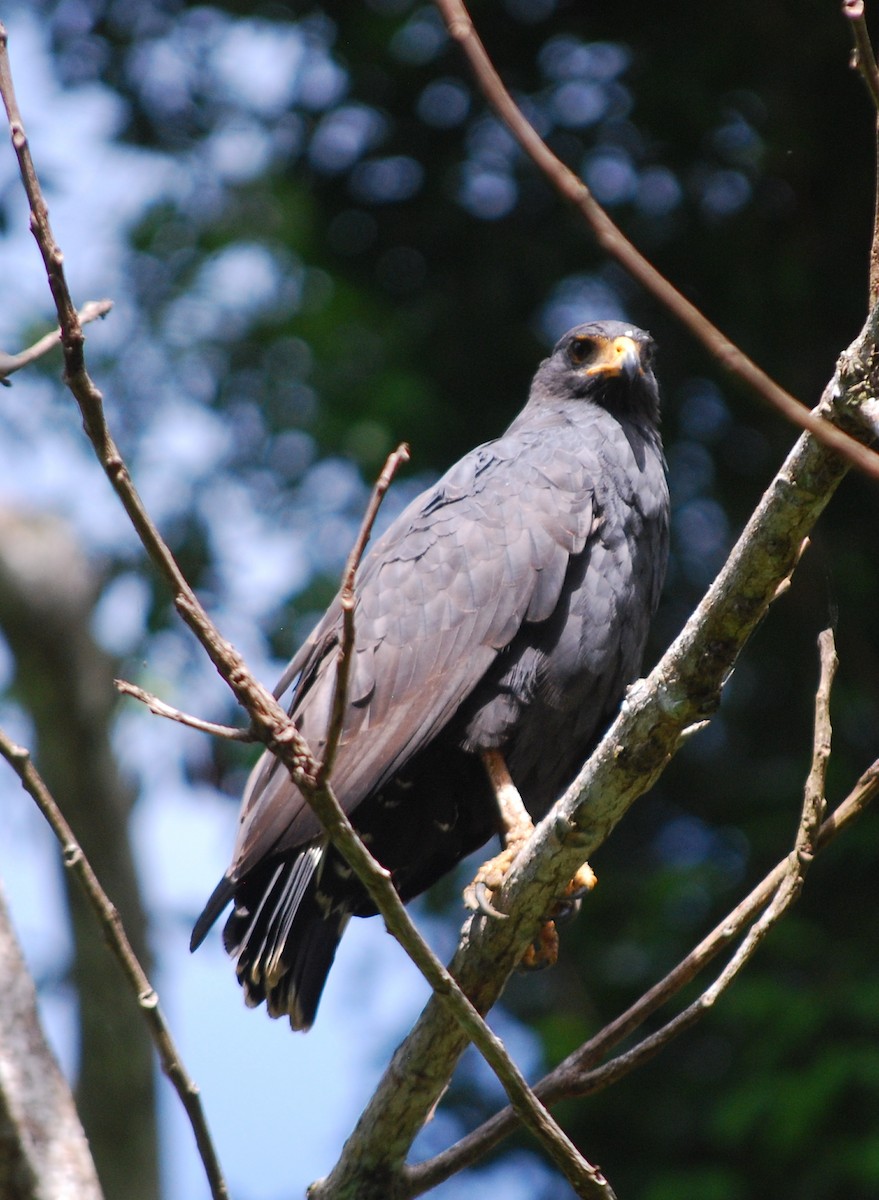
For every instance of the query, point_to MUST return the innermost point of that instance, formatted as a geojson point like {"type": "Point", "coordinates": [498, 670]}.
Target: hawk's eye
{"type": "Point", "coordinates": [581, 349]}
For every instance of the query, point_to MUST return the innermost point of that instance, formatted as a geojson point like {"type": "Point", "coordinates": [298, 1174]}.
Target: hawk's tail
{"type": "Point", "coordinates": [284, 941]}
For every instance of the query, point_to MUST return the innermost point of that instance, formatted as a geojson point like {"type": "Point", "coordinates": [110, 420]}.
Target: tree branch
{"type": "Point", "coordinates": [10, 363]}
{"type": "Point", "coordinates": [76, 862]}
{"type": "Point", "coordinates": [611, 239]}
{"type": "Point", "coordinates": [783, 890]}
{"type": "Point", "coordinates": [815, 801]}
{"type": "Point", "coordinates": [863, 58]}
{"type": "Point", "coordinates": [44, 1152]}
{"type": "Point", "coordinates": [159, 708]}
{"type": "Point", "coordinates": [573, 1076]}
{"type": "Point", "coordinates": [347, 600]}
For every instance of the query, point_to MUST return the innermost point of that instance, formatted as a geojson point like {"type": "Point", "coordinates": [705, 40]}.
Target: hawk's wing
{"type": "Point", "coordinates": [441, 593]}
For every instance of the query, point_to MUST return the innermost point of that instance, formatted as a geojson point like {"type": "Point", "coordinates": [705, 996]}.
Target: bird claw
{"type": "Point", "coordinates": [477, 897]}
{"type": "Point", "coordinates": [566, 909]}
{"type": "Point", "coordinates": [584, 881]}
{"type": "Point", "coordinates": [568, 906]}
{"type": "Point", "coordinates": [543, 951]}
{"type": "Point", "coordinates": [482, 893]}
{"type": "Point", "coordinates": [489, 877]}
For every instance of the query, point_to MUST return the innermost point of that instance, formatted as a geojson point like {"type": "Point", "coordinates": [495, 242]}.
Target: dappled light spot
{"type": "Point", "coordinates": [368, 442]}
{"type": "Point", "coordinates": [165, 75]}
{"type": "Point", "coordinates": [611, 175]}
{"type": "Point", "coordinates": [575, 104]}
{"type": "Point", "coordinates": [279, 60]}
{"type": "Point", "coordinates": [567, 57]}
{"type": "Point", "coordinates": [738, 142]}
{"type": "Point", "coordinates": [232, 289]}
{"type": "Point", "coordinates": [444, 103]}
{"type": "Point", "coordinates": [291, 453]}
{"type": "Point", "coordinates": [239, 149]}
{"type": "Point", "coordinates": [687, 842]}
{"type": "Point", "coordinates": [321, 82]}
{"type": "Point", "coordinates": [387, 180]}
{"type": "Point", "coordinates": [120, 616]}
{"type": "Point", "coordinates": [576, 299]}
{"type": "Point", "coordinates": [703, 413]}
{"type": "Point", "coordinates": [421, 39]}
{"type": "Point", "coordinates": [722, 193]}
{"type": "Point", "coordinates": [702, 539]}
{"type": "Point", "coordinates": [345, 135]}
{"type": "Point", "coordinates": [486, 194]}
{"type": "Point", "coordinates": [334, 484]}
{"type": "Point", "coordinates": [690, 469]}
{"type": "Point", "coordinates": [658, 192]}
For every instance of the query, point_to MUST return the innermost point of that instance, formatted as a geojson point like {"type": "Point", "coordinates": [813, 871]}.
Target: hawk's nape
{"type": "Point", "coordinates": [506, 608]}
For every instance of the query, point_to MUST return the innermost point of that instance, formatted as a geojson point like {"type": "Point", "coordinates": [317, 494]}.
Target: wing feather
{"type": "Point", "coordinates": [444, 590]}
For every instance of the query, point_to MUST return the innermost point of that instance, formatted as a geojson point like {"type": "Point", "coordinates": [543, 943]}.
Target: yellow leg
{"type": "Point", "coordinates": [516, 829]}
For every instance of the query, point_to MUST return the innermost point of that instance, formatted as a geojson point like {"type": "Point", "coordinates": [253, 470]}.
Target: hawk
{"type": "Point", "coordinates": [498, 620]}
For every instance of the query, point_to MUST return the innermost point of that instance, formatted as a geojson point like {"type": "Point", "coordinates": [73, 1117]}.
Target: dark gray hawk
{"type": "Point", "coordinates": [498, 620]}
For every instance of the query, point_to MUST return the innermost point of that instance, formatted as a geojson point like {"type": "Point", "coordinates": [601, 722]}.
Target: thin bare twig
{"type": "Point", "coordinates": [76, 861]}
{"type": "Point", "coordinates": [785, 891]}
{"type": "Point", "coordinates": [347, 599]}
{"type": "Point", "coordinates": [863, 58]}
{"type": "Point", "coordinates": [10, 363]}
{"type": "Point", "coordinates": [230, 732]}
{"type": "Point", "coordinates": [614, 242]}
{"type": "Point", "coordinates": [611, 1072]}
{"type": "Point", "coordinates": [815, 801]}
{"type": "Point", "coordinates": [567, 1079]}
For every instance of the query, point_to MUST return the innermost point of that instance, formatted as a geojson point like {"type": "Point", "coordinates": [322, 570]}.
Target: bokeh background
{"type": "Point", "coordinates": [318, 244]}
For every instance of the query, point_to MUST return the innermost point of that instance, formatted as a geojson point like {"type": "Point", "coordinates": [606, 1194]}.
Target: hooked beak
{"type": "Point", "coordinates": [617, 356]}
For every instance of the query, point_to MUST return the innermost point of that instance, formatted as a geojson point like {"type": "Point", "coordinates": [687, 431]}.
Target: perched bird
{"type": "Point", "coordinates": [498, 621]}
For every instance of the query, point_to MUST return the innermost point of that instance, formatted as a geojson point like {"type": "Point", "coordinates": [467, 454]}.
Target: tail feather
{"type": "Point", "coordinates": [219, 899]}
{"type": "Point", "coordinates": [298, 991]}
{"type": "Point", "coordinates": [283, 938]}
{"type": "Point", "coordinates": [286, 909]}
